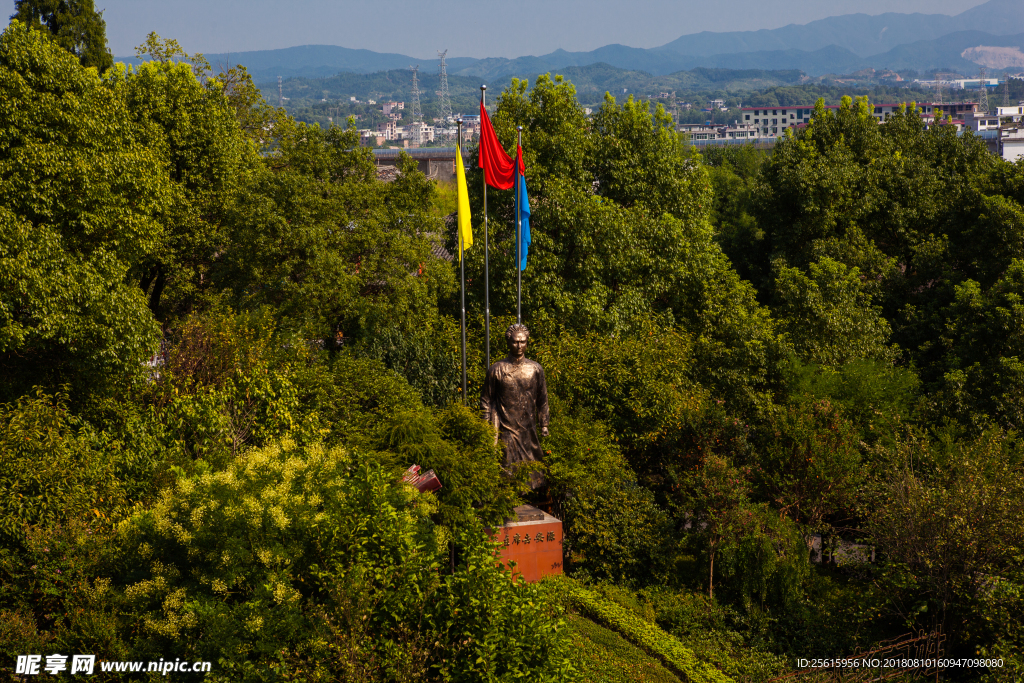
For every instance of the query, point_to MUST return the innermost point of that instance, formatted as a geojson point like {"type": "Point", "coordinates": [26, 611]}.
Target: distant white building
{"type": "Point", "coordinates": [700, 133]}
{"type": "Point", "coordinates": [418, 133]}
{"type": "Point", "coordinates": [773, 122]}
{"type": "Point", "coordinates": [979, 121]}
{"type": "Point", "coordinates": [1014, 113]}
{"type": "Point", "coordinates": [966, 83]}
{"type": "Point", "coordinates": [1011, 144]}
{"type": "Point", "coordinates": [369, 137]}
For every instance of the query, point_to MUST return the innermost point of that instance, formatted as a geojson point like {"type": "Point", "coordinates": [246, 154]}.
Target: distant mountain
{"type": "Point", "coordinates": [945, 52]}
{"type": "Point", "coordinates": [309, 61]}
{"type": "Point", "coordinates": [861, 34]}
{"type": "Point", "coordinates": [834, 45]}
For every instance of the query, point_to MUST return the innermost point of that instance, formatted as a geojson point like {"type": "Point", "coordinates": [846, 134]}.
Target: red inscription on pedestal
{"type": "Point", "coordinates": [535, 547]}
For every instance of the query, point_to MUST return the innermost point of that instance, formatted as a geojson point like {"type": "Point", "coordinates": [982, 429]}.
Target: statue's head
{"type": "Point", "coordinates": [517, 335]}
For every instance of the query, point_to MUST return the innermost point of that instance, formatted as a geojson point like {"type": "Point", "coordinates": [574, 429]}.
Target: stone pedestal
{"type": "Point", "coordinates": [533, 540]}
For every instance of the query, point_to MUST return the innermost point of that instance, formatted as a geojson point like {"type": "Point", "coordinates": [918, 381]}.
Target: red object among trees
{"type": "Point", "coordinates": [424, 483]}
{"type": "Point", "coordinates": [534, 543]}
{"type": "Point", "coordinates": [499, 169]}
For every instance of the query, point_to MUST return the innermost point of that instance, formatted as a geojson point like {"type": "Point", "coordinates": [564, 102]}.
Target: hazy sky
{"type": "Point", "coordinates": [467, 28]}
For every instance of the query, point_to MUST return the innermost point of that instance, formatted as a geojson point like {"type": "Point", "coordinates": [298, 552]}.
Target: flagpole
{"type": "Point", "coordinates": [487, 265]}
{"type": "Point", "coordinates": [519, 230]}
{"type": "Point", "coordinates": [462, 267]}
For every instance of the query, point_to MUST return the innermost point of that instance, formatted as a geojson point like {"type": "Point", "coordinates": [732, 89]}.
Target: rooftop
{"type": "Point", "coordinates": [417, 153]}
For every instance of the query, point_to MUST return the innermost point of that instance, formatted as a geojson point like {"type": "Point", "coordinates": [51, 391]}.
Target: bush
{"type": "Point", "coordinates": [236, 380]}
{"type": "Point", "coordinates": [428, 358]}
{"type": "Point", "coordinates": [715, 633]}
{"type": "Point", "coordinates": [461, 449]}
{"type": "Point", "coordinates": [614, 530]}
{"type": "Point", "coordinates": [603, 656]}
{"type": "Point", "coordinates": [640, 386]}
{"type": "Point", "coordinates": [647, 635]}
{"type": "Point", "coordinates": [57, 468]}
{"type": "Point", "coordinates": [54, 596]}
{"type": "Point", "coordinates": [316, 561]}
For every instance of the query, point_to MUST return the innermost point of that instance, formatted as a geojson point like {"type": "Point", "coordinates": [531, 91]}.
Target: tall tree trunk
{"type": "Point", "coordinates": [711, 577]}
{"type": "Point", "coordinates": [158, 288]}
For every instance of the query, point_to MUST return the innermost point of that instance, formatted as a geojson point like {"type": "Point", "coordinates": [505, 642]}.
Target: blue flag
{"type": "Point", "coordinates": [524, 215]}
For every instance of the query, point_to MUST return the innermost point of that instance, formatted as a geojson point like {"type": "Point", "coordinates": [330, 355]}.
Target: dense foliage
{"type": "Point", "coordinates": [785, 388]}
{"type": "Point", "coordinates": [74, 24]}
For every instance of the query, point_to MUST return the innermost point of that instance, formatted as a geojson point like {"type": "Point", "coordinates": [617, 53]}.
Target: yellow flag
{"type": "Point", "coordinates": [465, 228]}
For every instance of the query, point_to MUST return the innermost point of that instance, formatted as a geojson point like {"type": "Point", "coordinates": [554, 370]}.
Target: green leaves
{"type": "Point", "coordinates": [947, 513]}
{"type": "Point", "coordinates": [74, 25]}
{"type": "Point", "coordinates": [78, 207]}
{"type": "Point", "coordinates": [58, 469]}
{"type": "Point", "coordinates": [679, 658]}
{"type": "Point", "coordinates": [308, 561]}
{"type": "Point", "coordinates": [828, 316]}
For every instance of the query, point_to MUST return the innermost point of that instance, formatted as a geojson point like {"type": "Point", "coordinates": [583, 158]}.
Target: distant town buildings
{"type": "Point", "coordinates": [702, 132]}
{"type": "Point", "coordinates": [957, 83]}
{"type": "Point", "coordinates": [772, 122]}
{"type": "Point", "coordinates": [470, 125]}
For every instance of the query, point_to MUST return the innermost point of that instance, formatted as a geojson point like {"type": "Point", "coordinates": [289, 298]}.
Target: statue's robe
{"type": "Point", "coordinates": [515, 401]}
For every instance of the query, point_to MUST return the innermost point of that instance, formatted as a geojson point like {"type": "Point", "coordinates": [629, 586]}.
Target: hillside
{"type": "Point", "coordinates": [861, 34]}
{"type": "Point", "coordinates": [834, 45]}
{"type": "Point", "coordinates": [591, 83]}
{"type": "Point", "coordinates": [944, 53]}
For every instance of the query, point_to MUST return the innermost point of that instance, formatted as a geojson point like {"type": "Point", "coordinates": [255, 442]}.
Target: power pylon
{"type": "Point", "coordinates": [280, 93]}
{"type": "Point", "coordinates": [983, 100]}
{"type": "Point", "coordinates": [444, 101]}
{"type": "Point", "coordinates": [417, 115]}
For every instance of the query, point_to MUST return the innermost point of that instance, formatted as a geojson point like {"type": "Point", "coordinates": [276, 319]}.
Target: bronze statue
{"type": "Point", "coordinates": [515, 401]}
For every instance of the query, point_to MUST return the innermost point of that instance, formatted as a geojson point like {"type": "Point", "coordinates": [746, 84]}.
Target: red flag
{"type": "Point", "coordinates": [499, 169]}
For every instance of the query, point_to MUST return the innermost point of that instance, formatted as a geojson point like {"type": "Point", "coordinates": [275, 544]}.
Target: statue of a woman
{"type": "Point", "coordinates": [515, 400]}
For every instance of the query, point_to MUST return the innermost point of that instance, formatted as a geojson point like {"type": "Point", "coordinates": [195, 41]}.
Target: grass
{"type": "Point", "coordinates": [603, 656]}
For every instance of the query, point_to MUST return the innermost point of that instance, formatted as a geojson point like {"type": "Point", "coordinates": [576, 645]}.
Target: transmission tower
{"type": "Point", "coordinates": [983, 100]}
{"type": "Point", "coordinates": [417, 115]}
{"type": "Point", "coordinates": [444, 101]}
{"type": "Point", "coordinates": [280, 93]}
{"type": "Point", "coordinates": [1006, 91]}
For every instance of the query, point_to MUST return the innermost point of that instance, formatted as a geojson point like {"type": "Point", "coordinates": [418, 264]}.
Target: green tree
{"type": "Point", "coordinates": [607, 253]}
{"type": "Point", "coordinates": [945, 513]}
{"type": "Point", "coordinates": [828, 316]}
{"type": "Point", "coordinates": [983, 363]}
{"type": "Point", "coordinates": [74, 24]}
{"type": "Point", "coordinates": [185, 117]}
{"type": "Point", "coordinates": [810, 469]}
{"type": "Point", "coordinates": [80, 206]}
{"type": "Point", "coordinates": [734, 173]}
